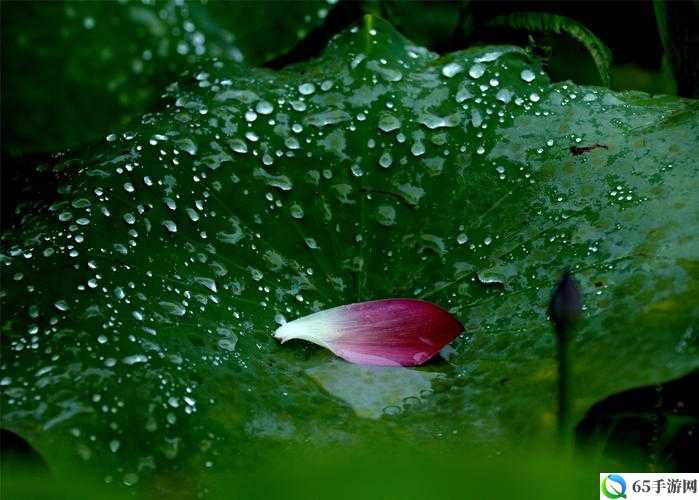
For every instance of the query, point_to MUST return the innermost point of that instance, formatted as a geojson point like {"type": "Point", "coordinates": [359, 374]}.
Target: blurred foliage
{"type": "Point", "coordinates": [75, 71]}
{"type": "Point", "coordinates": [437, 25]}
{"type": "Point", "coordinates": [678, 26]}
{"type": "Point", "coordinates": [648, 428]}
{"type": "Point", "coordinates": [384, 471]}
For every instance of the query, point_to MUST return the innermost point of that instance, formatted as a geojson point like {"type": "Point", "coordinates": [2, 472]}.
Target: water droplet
{"type": "Point", "coordinates": [238, 145]}
{"type": "Point", "coordinates": [490, 278]}
{"type": "Point", "coordinates": [135, 359]}
{"type": "Point", "coordinates": [207, 283]}
{"type": "Point", "coordinates": [298, 105]}
{"type": "Point", "coordinates": [392, 411]}
{"type": "Point", "coordinates": [388, 122]}
{"type": "Point", "coordinates": [173, 308]}
{"type": "Point", "coordinates": [307, 88]}
{"type": "Point", "coordinates": [278, 181]}
{"type": "Point", "coordinates": [296, 211]}
{"type": "Point", "coordinates": [527, 75]}
{"type": "Point", "coordinates": [292, 143]}
{"type": "Point", "coordinates": [489, 57]}
{"type": "Point", "coordinates": [388, 74]}
{"type": "Point", "coordinates": [476, 71]}
{"type": "Point", "coordinates": [170, 226]}
{"type": "Point", "coordinates": [130, 479]}
{"type": "Point", "coordinates": [61, 305]}
{"type": "Point", "coordinates": [476, 118]}
{"type": "Point", "coordinates": [187, 145]}
{"type": "Point", "coordinates": [193, 214]}
{"type": "Point", "coordinates": [386, 160]}
{"type": "Point", "coordinates": [432, 121]}
{"type": "Point", "coordinates": [418, 148]}
{"type": "Point", "coordinates": [264, 108]}
{"type": "Point", "coordinates": [504, 95]}
{"type": "Point", "coordinates": [386, 215]}
{"type": "Point", "coordinates": [452, 69]}
{"type": "Point", "coordinates": [463, 94]}
{"type": "Point", "coordinates": [228, 344]}
{"type": "Point", "coordinates": [328, 118]}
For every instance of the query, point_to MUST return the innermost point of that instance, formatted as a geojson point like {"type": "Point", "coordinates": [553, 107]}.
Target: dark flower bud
{"type": "Point", "coordinates": [566, 304]}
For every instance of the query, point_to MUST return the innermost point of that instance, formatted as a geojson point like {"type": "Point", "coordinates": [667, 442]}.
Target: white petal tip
{"type": "Point", "coordinates": [279, 334]}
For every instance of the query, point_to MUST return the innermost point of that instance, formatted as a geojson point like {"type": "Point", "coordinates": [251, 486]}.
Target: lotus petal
{"type": "Point", "coordinates": [389, 332]}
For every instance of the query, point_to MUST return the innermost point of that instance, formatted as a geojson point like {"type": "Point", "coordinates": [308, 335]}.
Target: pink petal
{"type": "Point", "coordinates": [404, 332]}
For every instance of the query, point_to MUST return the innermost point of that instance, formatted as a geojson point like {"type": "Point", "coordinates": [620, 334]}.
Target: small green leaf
{"type": "Point", "coordinates": [552, 23]}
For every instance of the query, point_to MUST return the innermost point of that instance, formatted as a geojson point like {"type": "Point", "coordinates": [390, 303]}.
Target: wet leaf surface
{"type": "Point", "coordinates": [138, 309]}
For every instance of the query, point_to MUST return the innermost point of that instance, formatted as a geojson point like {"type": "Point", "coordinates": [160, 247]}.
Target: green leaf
{"type": "Point", "coordinates": [677, 25]}
{"type": "Point", "coordinates": [138, 307]}
{"type": "Point", "coordinates": [552, 23]}
{"type": "Point", "coordinates": [660, 422]}
{"type": "Point", "coordinates": [75, 71]}
{"type": "Point", "coordinates": [433, 24]}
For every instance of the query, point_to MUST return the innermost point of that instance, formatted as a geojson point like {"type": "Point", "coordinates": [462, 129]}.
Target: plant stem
{"type": "Point", "coordinates": [564, 310]}
{"type": "Point", "coordinates": [563, 387]}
